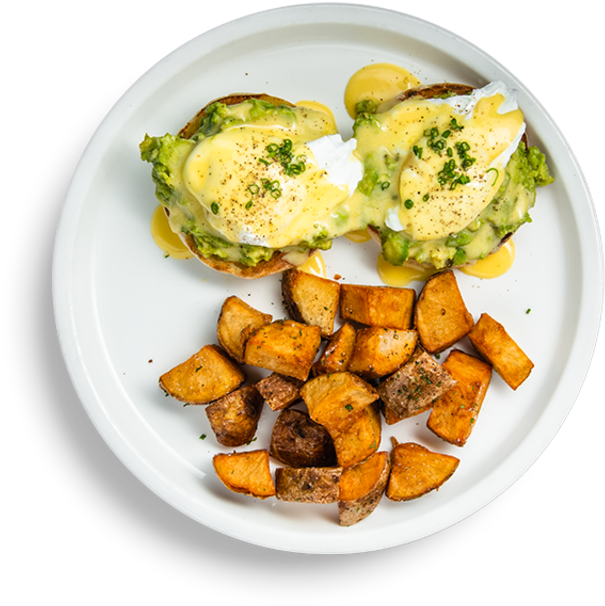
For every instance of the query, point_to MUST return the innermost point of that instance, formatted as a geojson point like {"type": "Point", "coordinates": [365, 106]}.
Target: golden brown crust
{"type": "Point", "coordinates": [440, 89]}
{"type": "Point", "coordinates": [194, 124]}
{"type": "Point", "coordinates": [277, 263]}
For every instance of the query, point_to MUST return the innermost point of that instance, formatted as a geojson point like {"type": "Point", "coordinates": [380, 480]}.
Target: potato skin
{"type": "Point", "coordinates": [234, 418]}
{"type": "Point", "coordinates": [362, 487]}
{"type": "Point", "coordinates": [307, 484]}
{"type": "Point", "coordinates": [279, 391]}
{"type": "Point", "coordinates": [413, 388]}
{"type": "Point", "coordinates": [298, 441]}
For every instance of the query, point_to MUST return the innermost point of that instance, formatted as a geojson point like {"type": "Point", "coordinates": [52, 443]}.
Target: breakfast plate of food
{"type": "Point", "coordinates": [328, 305]}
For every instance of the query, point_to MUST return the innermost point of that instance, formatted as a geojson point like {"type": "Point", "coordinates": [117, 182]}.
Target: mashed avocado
{"type": "Point", "coordinates": [508, 210]}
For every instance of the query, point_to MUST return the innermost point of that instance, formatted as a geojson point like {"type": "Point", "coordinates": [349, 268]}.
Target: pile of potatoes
{"type": "Point", "coordinates": [379, 365]}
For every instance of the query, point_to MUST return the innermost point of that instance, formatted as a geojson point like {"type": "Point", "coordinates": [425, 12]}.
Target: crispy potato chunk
{"type": "Point", "coordinates": [234, 418]}
{"type": "Point", "coordinates": [311, 299]}
{"type": "Point", "coordinates": [307, 484]}
{"type": "Point", "coordinates": [362, 487]}
{"type": "Point", "coordinates": [286, 347]}
{"type": "Point", "coordinates": [454, 413]}
{"type": "Point", "coordinates": [381, 351]}
{"type": "Point", "coordinates": [334, 399]}
{"type": "Point", "coordinates": [415, 470]}
{"type": "Point", "coordinates": [493, 342]}
{"type": "Point", "coordinates": [377, 305]}
{"type": "Point", "coordinates": [234, 317]}
{"type": "Point", "coordinates": [206, 376]}
{"type": "Point", "coordinates": [279, 391]}
{"type": "Point", "coordinates": [298, 441]}
{"type": "Point", "coordinates": [359, 437]}
{"type": "Point", "coordinates": [246, 472]}
{"type": "Point", "coordinates": [441, 317]}
{"type": "Point", "coordinates": [338, 352]}
{"type": "Point", "coordinates": [413, 388]}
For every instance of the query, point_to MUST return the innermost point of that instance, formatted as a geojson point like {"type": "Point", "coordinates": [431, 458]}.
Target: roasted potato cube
{"type": "Point", "coordinates": [204, 377]}
{"type": "Point", "coordinates": [307, 484]}
{"type": "Point", "coordinates": [377, 305]}
{"type": "Point", "coordinates": [279, 391]}
{"type": "Point", "coordinates": [334, 399]}
{"type": "Point", "coordinates": [298, 441]}
{"type": "Point", "coordinates": [311, 299]}
{"type": "Point", "coordinates": [285, 346]}
{"type": "Point", "coordinates": [362, 487]}
{"type": "Point", "coordinates": [381, 351]}
{"type": "Point", "coordinates": [246, 472]}
{"type": "Point", "coordinates": [338, 352]}
{"type": "Point", "coordinates": [454, 413]}
{"type": "Point", "coordinates": [441, 317]}
{"type": "Point", "coordinates": [415, 470]}
{"type": "Point", "coordinates": [359, 437]}
{"type": "Point", "coordinates": [234, 418]}
{"type": "Point", "coordinates": [413, 388]}
{"type": "Point", "coordinates": [493, 342]}
{"type": "Point", "coordinates": [234, 317]}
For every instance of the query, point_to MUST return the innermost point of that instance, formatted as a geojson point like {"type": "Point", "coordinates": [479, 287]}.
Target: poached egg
{"type": "Point", "coordinates": [451, 154]}
{"type": "Point", "coordinates": [273, 182]}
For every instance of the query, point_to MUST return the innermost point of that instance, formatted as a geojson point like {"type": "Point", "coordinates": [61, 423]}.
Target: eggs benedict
{"type": "Point", "coordinates": [253, 184]}
{"type": "Point", "coordinates": [442, 176]}
{"type": "Point", "coordinates": [447, 173]}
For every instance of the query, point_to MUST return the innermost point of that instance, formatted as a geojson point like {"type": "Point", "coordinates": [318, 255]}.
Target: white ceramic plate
{"type": "Point", "coordinates": [125, 314]}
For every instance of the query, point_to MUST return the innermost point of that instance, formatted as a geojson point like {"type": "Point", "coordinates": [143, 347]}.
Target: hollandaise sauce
{"type": "Point", "coordinates": [317, 106]}
{"type": "Point", "coordinates": [314, 265]}
{"type": "Point", "coordinates": [165, 238]}
{"type": "Point", "coordinates": [402, 275]}
{"type": "Point", "coordinates": [494, 265]}
{"type": "Point", "coordinates": [358, 236]}
{"type": "Point", "coordinates": [271, 179]}
{"type": "Point", "coordinates": [376, 83]}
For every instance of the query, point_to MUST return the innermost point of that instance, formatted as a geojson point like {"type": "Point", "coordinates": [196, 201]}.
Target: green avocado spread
{"type": "Point", "coordinates": [508, 210]}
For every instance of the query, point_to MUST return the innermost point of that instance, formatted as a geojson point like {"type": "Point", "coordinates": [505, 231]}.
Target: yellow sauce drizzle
{"type": "Point", "coordinates": [314, 265]}
{"type": "Point", "coordinates": [165, 238]}
{"type": "Point", "coordinates": [380, 82]}
{"type": "Point", "coordinates": [392, 275]}
{"type": "Point", "coordinates": [317, 106]}
{"type": "Point", "coordinates": [358, 236]}
{"type": "Point", "coordinates": [494, 265]}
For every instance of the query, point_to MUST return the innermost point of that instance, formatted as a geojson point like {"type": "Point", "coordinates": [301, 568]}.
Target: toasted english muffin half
{"type": "Point", "coordinates": [433, 91]}
{"type": "Point", "coordinates": [277, 263]}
